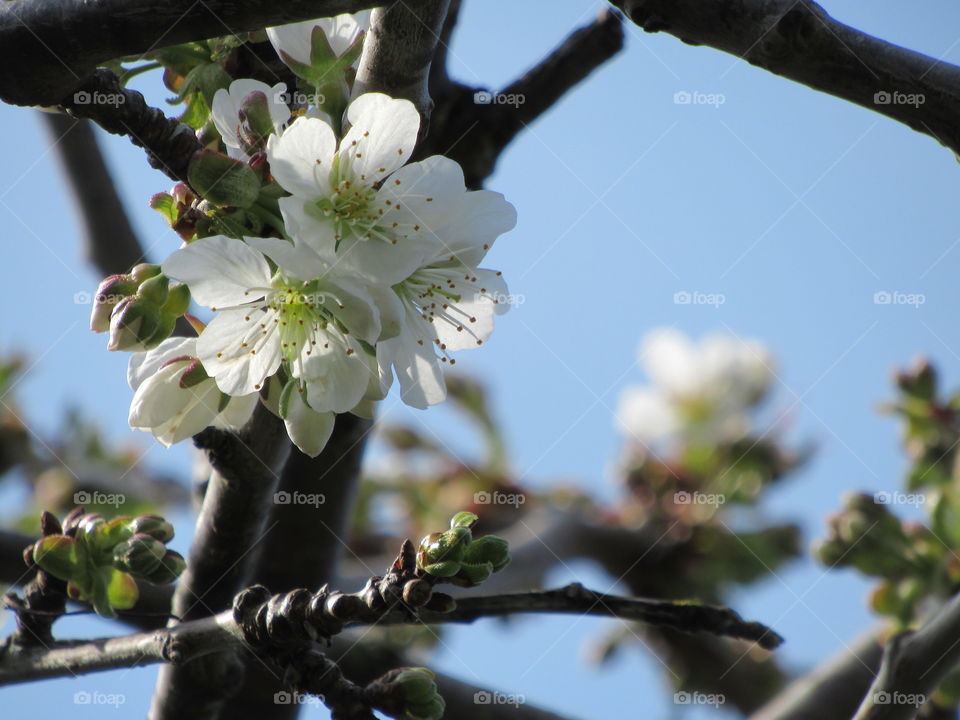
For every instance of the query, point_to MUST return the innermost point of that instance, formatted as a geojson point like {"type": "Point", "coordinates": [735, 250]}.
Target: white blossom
{"type": "Point", "coordinates": [173, 399]}
{"type": "Point", "coordinates": [700, 393]}
{"type": "Point", "coordinates": [295, 40]}
{"type": "Point", "coordinates": [234, 130]}
{"type": "Point", "coordinates": [304, 316]}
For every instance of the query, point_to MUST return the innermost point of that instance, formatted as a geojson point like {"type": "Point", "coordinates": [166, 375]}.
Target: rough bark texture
{"type": "Point", "coordinates": [49, 47]}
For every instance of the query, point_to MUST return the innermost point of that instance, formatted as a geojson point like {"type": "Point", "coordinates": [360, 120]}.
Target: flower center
{"type": "Point", "coordinates": [301, 313]}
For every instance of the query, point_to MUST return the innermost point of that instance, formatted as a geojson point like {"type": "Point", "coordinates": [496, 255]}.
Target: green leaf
{"type": "Point", "coordinates": [59, 555]}
{"type": "Point", "coordinates": [166, 205]}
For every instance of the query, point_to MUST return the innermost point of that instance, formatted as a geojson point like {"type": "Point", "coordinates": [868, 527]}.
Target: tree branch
{"type": "Point", "coordinates": [475, 133]}
{"type": "Point", "coordinates": [195, 639]}
{"type": "Point", "coordinates": [232, 522]}
{"type": "Point", "coordinates": [49, 47]}
{"type": "Point", "coordinates": [317, 533]}
{"type": "Point", "coordinates": [398, 51]}
{"type": "Point", "coordinates": [914, 664]}
{"type": "Point", "coordinates": [110, 242]}
{"type": "Point", "coordinates": [831, 691]}
{"type": "Point", "coordinates": [798, 40]}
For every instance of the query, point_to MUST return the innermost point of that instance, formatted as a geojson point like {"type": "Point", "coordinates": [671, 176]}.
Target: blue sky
{"type": "Point", "coordinates": [796, 207]}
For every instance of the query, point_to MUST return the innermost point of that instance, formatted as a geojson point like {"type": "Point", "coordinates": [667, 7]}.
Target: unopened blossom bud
{"type": "Point", "coordinates": [256, 123]}
{"type": "Point", "coordinates": [488, 549]}
{"type": "Point", "coordinates": [178, 300]}
{"type": "Point", "coordinates": [420, 696]}
{"type": "Point", "coordinates": [171, 566]}
{"type": "Point", "coordinates": [110, 292]}
{"type": "Point", "coordinates": [152, 525]}
{"type": "Point", "coordinates": [143, 272]}
{"type": "Point", "coordinates": [134, 322]}
{"type": "Point", "coordinates": [141, 554]}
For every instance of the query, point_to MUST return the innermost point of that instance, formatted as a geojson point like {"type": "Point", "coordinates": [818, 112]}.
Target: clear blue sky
{"type": "Point", "coordinates": [797, 207]}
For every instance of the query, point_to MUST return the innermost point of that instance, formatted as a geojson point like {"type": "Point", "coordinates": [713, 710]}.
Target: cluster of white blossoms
{"type": "Point", "coordinates": [700, 394]}
{"type": "Point", "coordinates": [377, 275]}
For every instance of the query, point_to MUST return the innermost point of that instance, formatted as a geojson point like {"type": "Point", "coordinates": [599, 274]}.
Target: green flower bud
{"type": "Point", "coordinates": [155, 290]}
{"type": "Point", "coordinates": [471, 575]}
{"type": "Point", "coordinates": [463, 519]}
{"type": "Point", "coordinates": [223, 180]}
{"type": "Point", "coordinates": [170, 568]}
{"type": "Point", "coordinates": [143, 272]}
{"type": "Point", "coordinates": [110, 292]}
{"type": "Point", "coordinates": [134, 322]}
{"type": "Point", "coordinates": [152, 525]}
{"type": "Point", "coordinates": [141, 554]}
{"type": "Point", "coordinates": [488, 549]}
{"type": "Point", "coordinates": [178, 301]}
{"type": "Point", "coordinates": [440, 553]}
{"type": "Point", "coordinates": [417, 684]}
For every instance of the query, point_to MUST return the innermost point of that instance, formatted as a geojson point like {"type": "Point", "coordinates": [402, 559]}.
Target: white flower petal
{"type": "Point", "coordinates": [311, 230]}
{"type": "Point", "coordinates": [416, 366]}
{"type": "Point", "coordinates": [237, 412]}
{"type": "Point", "coordinates": [308, 429]}
{"type": "Point", "coordinates": [145, 364]}
{"type": "Point", "coordinates": [336, 381]}
{"type": "Point", "coordinates": [219, 271]}
{"type": "Point", "coordinates": [302, 157]}
{"type": "Point", "coordinates": [467, 323]}
{"type": "Point", "coordinates": [240, 349]}
{"type": "Point", "coordinates": [481, 217]}
{"type": "Point", "coordinates": [381, 137]}
{"type": "Point", "coordinates": [298, 263]}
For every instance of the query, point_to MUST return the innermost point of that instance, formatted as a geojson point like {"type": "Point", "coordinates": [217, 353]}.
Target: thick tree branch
{"type": "Point", "coordinates": [110, 242]}
{"type": "Point", "coordinates": [914, 664]}
{"type": "Point", "coordinates": [306, 544]}
{"type": "Point", "coordinates": [181, 645]}
{"type": "Point", "coordinates": [398, 50]}
{"type": "Point", "coordinates": [49, 47]}
{"type": "Point", "coordinates": [232, 522]}
{"type": "Point", "coordinates": [798, 40]}
{"type": "Point", "coordinates": [831, 691]}
{"type": "Point", "coordinates": [475, 132]}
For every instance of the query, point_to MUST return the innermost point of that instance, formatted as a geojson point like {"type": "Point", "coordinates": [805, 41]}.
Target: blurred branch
{"type": "Point", "coordinates": [475, 134]}
{"type": "Point", "coordinates": [110, 242]}
{"type": "Point", "coordinates": [831, 691]}
{"type": "Point", "coordinates": [798, 40]}
{"type": "Point", "coordinates": [914, 663]}
{"type": "Point", "coordinates": [48, 48]}
{"type": "Point", "coordinates": [232, 521]}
